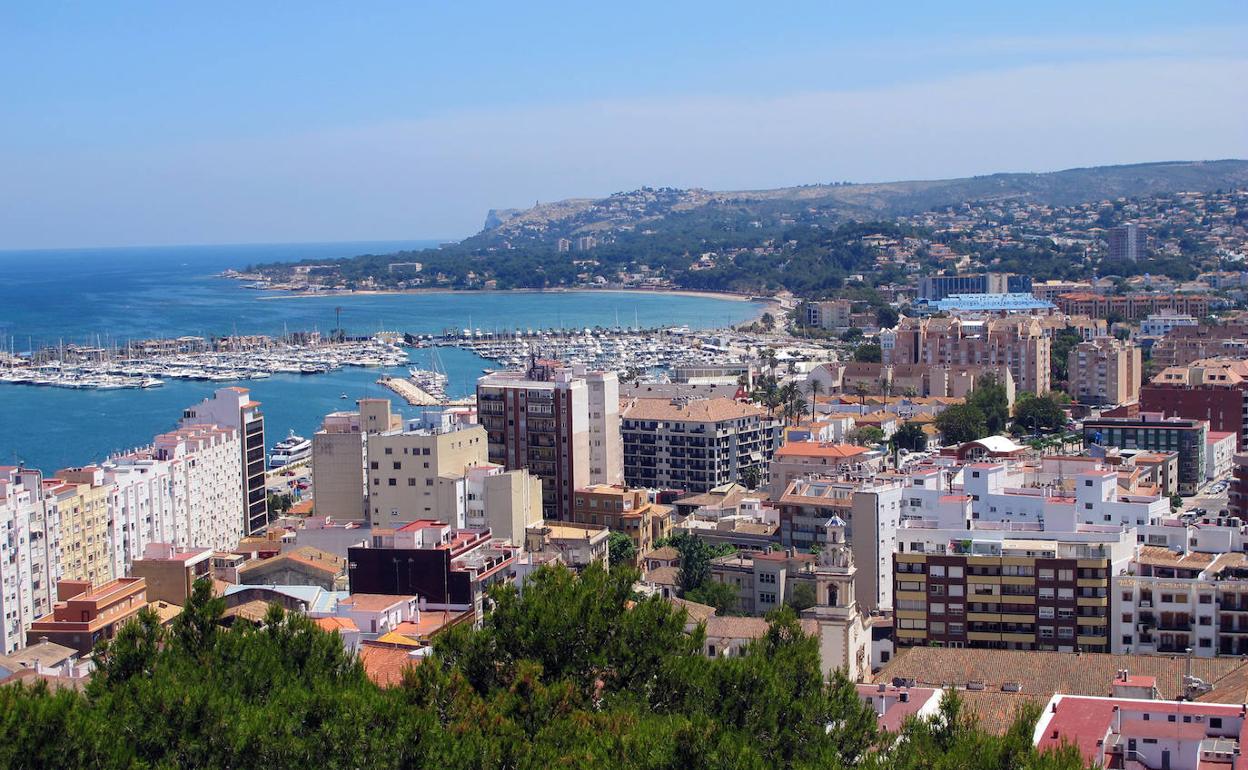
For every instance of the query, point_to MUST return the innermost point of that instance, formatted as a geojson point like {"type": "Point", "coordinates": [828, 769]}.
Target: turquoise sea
{"type": "Point", "coordinates": [104, 296]}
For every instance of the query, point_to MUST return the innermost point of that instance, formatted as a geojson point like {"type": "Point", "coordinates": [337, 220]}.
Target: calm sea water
{"type": "Point", "coordinates": [110, 295]}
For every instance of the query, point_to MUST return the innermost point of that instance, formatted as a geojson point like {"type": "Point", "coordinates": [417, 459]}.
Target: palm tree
{"type": "Point", "coordinates": [815, 387]}
{"type": "Point", "coordinates": [861, 389]}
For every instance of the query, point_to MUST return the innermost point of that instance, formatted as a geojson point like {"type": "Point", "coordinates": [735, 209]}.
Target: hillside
{"type": "Point", "coordinates": [807, 239]}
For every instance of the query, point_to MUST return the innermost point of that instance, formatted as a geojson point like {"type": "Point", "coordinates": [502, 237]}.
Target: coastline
{"type": "Point", "coordinates": [766, 304]}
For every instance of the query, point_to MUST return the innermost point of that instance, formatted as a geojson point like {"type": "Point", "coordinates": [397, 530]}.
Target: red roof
{"type": "Point", "coordinates": [819, 449]}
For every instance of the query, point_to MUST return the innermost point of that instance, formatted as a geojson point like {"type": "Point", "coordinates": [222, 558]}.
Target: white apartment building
{"type": "Point", "coordinates": [207, 487]}
{"type": "Point", "coordinates": [23, 569]}
{"type": "Point", "coordinates": [233, 407]}
{"type": "Point", "coordinates": [144, 505]}
{"type": "Point", "coordinates": [1174, 601]}
{"type": "Point", "coordinates": [1160, 324]}
{"type": "Point", "coordinates": [1012, 493]}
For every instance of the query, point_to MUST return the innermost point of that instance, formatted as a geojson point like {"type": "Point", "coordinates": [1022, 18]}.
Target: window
{"type": "Point", "coordinates": [1066, 574]}
{"type": "Point", "coordinates": [1205, 620]}
{"type": "Point", "coordinates": [955, 572]}
{"type": "Point", "coordinates": [389, 450]}
{"type": "Point", "coordinates": [1206, 598]}
{"type": "Point", "coordinates": [1065, 593]}
{"type": "Point", "coordinates": [1046, 593]}
{"type": "Point", "coordinates": [392, 482]}
{"type": "Point", "coordinates": [1045, 574]}
{"type": "Point", "coordinates": [428, 482]}
{"type": "Point", "coordinates": [936, 570]}
{"type": "Point", "coordinates": [955, 609]}
{"type": "Point", "coordinates": [936, 590]}
{"type": "Point", "coordinates": [938, 627]}
{"type": "Point", "coordinates": [1044, 613]}
{"type": "Point", "coordinates": [1046, 632]}
{"type": "Point", "coordinates": [956, 629]}
{"type": "Point", "coordinates": [1066, 633]}
{"type": "Point", "coordinates": [373, 465]}
{"type": "Point", "coordinates": [957, 590]}
{"type": "Point", "coordinates": [1215, 722]}
{"type": "Point", "coordinates": [936, 608]}
{"type": "Point", "coordinates": [398, 466]}
{"type": "Point", "coordinates": [411, 482]}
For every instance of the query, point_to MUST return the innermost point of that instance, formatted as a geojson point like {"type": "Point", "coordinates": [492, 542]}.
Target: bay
{"type": "Point", "coordinates": [106, 296]}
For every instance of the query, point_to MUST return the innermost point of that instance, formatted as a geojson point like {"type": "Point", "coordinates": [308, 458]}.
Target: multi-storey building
{"type": "Point", "coordinates": [962, 582]}
{"type": "Point", "coordinates": [84, 615]}
{"type": "Point", "coordinates": [450, 569]}
{"type": "Point", "coordinates": [339, 458]}
{"type": "Point", "coordinates": [1187, 343]}
{"type": "Point", "coordinates": [1104, 370]}
{"type": "Point", "coordinates": [802, 458]}
{"type": "Point", "coordinates": [1149, 430]}
{"type": "Point", "coordinates": [207, 485]}
{"type": "Point", "coordinates": [1021, 494]}
{"type": "Point", "coordinates": [1131, 307]}
{"type": "Point", "coordinates": [232, 407]}
{"type": "Point", "coordinates": [937, 287]}
{"type": "Point", "coordinates": [410, 470]}
{"type": "Point", "coordinates": [1161, 324]}
{"type": "Point", "coordinates": [1214, 390]}
{"type": "Point", "coordinates": [1048, 290]}
{"type": "Point", "coordinates": [1176, 599]}
{"type": "Point", "coordinates": [24, 575]}
{"type": "Point", "coordinates": [696, 444]}
{"type": "Point", "coordinates": [1018, 344]}
{"type": "Point", "coordinates": [82, 499]}
{"type": "Point", "coordinates": [829, 315]}
{"type": "Point", "coordinates": [170, 573]}
{"type": "Point", "coordinates": [1126, 242]}
{"type": "Point", "coordinates": [624, 510]}
{"type": "Point", "coordinates": [813, 512]}
{"type": "Point", "coordinates": [542, 420]}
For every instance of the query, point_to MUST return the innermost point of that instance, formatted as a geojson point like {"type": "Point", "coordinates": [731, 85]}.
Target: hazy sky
{"type": "Point", "coordinates": [159, 123]}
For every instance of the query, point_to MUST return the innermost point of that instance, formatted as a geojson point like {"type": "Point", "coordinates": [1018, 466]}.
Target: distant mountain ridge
{"type": "Point", "coordinates": [575, 217]}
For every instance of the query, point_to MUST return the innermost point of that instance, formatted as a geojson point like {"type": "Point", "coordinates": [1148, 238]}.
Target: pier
{"type": "Point", "coordinates": [415, 396]}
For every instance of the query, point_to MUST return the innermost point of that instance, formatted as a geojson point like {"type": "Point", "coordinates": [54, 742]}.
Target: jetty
{"type": "Point", "coordinates": [415, 396]}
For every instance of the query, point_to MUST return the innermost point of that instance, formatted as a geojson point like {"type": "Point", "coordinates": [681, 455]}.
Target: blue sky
{"type": "Point", "coordinates": [144, 123]}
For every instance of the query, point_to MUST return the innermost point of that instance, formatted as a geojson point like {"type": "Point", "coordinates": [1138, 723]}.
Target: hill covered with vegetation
{"type": "Point", "coordinates": [805, 239]}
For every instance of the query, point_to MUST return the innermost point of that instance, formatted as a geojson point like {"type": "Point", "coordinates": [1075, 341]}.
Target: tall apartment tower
{"type": "Point", "coordinates": [340, 455]}
{"type": "Point", "coordinates": [561, 424]}
{"type": "Point", "coordinates": [1126, 242]}
{"type": "Point", "coordinates": [233, 408]}
{"type": "Point", "coordinates": [1105, 370]}
{"type": "Point", "coordinates": [24, 585]}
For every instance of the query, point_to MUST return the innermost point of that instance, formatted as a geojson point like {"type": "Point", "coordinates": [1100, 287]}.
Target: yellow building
{"type": "Point", "coordinates": [81, 498]}
{"type": "Point", "coordinates": [623, 510]}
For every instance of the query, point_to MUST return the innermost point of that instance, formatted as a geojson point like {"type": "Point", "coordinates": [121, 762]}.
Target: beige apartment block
{"type": "Point", "coordinates": [339, 455]}
{"type": "Point", "coordinates": [413, 474]}
{"type": "Point", "coordinates": [1104, 371]}
{"type": "Point", "coordinates": [1019, 344]}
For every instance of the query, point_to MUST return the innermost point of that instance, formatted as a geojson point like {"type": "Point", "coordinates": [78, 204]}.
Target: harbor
{"type": "Point", "coordinates": [151, 363]}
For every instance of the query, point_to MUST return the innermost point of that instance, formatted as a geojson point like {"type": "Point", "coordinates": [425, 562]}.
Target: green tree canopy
{"type": "Point", "coordinates": [992, 400]}
{"type": "Point", "coordinates": [909, 436]}
{"type": "Point", "coordinates": [1036, 413]}
{"type": "Point", "coordinates": [868, 353]}
{"type": "Point", "coordinates": [961, 423]}
{"type": "Point", "coordinates": [576, 671]}
{"type": "Point", "coordinates": [621, 550]}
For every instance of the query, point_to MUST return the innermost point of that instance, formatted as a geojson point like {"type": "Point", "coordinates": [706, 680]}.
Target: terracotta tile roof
{"type": "Point", "coordinates": [1041, 674]}
{"type": "Point", "coordinates": [336, 625]}
{"type": "Point", "coordinates": [819, 449]}
{"type": "Point", "coordinates": [385, 663]}
{"type": "Point", "coordinates": [663, 576]}
{"type": "Point", "coordinates": [696, 613]}
{"type": "Point", "coordinates": [1153, 554]}
{"type": "Point", "coordinates": [731, 627]}
{"type": "Point", "coordinates": [699, 410]}
{"type": "Point", "coordinates": [666, 553]}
